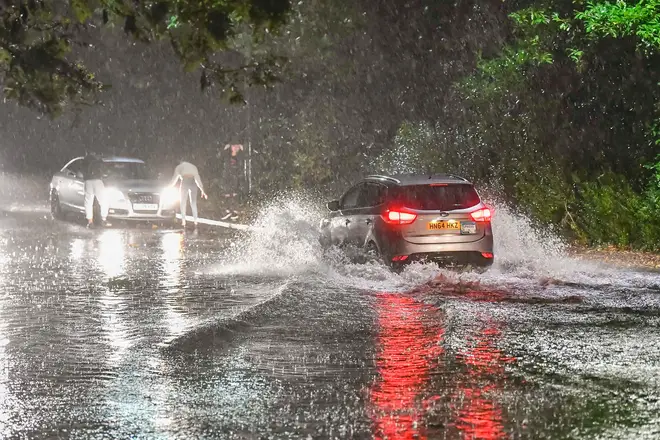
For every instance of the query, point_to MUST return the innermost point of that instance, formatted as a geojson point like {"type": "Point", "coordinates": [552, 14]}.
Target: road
{"type": "Point", "coordinates": [150, 333]}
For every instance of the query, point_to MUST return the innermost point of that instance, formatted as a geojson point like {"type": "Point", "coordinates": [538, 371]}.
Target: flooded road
{"type": "Point", "coordinates": [156, 334]}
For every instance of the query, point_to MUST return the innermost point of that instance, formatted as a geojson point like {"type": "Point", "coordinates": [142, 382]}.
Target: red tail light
{"type": "Point", "coordinates": [487, 254]}
{"type": "Point", "coordinates": [400, 258]}
{"type": "Point", "coordinates": [397, 217]}
{"type": "Point", "coordinates": [481, 215]}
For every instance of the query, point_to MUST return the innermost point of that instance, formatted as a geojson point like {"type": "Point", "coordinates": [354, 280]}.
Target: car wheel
{"type": "Point", "coordinates": [55, 206]}
{"type": "Point", "coordinates": [372, 252]}
{"type": "Point", "coordinates": [324, 241]}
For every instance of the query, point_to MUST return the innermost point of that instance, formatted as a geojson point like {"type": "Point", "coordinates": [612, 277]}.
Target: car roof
{"type": "Point", "coordinates": [121, 159]}
{"type": "Point", "coordinates": [417, 179]}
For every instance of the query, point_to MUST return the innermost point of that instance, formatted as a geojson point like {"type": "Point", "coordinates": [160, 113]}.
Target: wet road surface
{"type": "Point", "coordinates": [151, 333]}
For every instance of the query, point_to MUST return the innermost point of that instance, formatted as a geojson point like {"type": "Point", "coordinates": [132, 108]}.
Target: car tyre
{"type": "Point", "coordinates": [372, 252]}
{"type": "Point", "coordinates": [55, 206]}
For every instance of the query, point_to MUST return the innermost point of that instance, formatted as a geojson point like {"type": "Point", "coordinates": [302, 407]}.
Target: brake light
{"type": "Point", "coordinates": [400, 258]}
{"type": "Point", "coordinates": [481, 215]}
{"type": "Point", "coordinates": [396, 217]}
{"type": "Point", "coordinates": [487, 254]}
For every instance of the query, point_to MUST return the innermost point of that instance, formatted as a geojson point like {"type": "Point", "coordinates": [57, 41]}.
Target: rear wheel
{"type": "Point", "coordinates": [55, 206]}
{"type": "Point", "coordinates": [372, 252]}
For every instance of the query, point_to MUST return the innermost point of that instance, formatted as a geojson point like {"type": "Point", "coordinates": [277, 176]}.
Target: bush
{"type": "Point", "coordinates": [609, 211]}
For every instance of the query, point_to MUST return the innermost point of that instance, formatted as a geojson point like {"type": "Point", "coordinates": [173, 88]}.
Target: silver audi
{"type": "Point", "coordinates": [132, 192]}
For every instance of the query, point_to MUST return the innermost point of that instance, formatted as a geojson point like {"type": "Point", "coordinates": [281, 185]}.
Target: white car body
{"type": "Point", "coordinates": [139, 198]}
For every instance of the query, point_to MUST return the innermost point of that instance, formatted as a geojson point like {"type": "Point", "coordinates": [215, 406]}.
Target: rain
{"type": "Point", "coordinates": [244, 323]}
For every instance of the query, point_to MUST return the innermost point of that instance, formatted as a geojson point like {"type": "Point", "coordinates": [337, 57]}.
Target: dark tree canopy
{"type": "Point", "coordinates": [40, 69]}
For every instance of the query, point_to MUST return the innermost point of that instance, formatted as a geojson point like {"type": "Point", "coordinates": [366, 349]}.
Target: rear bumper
{"type": "Point", "coordinates": [467, 258]}
{"type": "Point", "coordinates": [444, 253]}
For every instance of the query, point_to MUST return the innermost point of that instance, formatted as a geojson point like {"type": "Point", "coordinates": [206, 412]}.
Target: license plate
{"type": "Point", "coordinates": [145, 207]}
{"type": "Point", "coordinates": [444, 225]}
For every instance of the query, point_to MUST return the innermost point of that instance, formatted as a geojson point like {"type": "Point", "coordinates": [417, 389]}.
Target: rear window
{"type": "Point", "coordinates": [437, 198]}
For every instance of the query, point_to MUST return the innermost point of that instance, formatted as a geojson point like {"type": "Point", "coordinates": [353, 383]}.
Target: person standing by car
{"type": "Point", "coordinates": [94, 189]}
{"type": "Point", "coordinates": [190, 182]}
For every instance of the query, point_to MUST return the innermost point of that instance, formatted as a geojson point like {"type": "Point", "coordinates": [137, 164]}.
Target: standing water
{"type": "Point", "coordinates": [141, 333]}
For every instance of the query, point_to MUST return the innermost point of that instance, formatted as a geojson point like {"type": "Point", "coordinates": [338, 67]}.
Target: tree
{"type": "Point", "coordinates": [39, 40]}
{"type": "Point", "coordinates": [565, 115]}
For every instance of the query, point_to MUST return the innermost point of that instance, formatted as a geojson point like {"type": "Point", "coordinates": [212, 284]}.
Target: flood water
{"type": "Point", "coordinates": [159, 334]}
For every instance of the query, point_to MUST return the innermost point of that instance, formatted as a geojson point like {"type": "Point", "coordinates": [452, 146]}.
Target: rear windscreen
{"type": "Point", "coordinates": [438, 198]}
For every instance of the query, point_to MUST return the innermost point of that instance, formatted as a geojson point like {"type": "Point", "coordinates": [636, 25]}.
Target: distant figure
{"type": "Point", "coordinates": [232, 177]}
{"type": "Point", "coordinates": [190, 181]}
{"type": "Point", "coordinates": [94, 189]}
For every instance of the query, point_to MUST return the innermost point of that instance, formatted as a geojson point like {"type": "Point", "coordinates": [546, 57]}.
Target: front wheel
{"type": "Point", "coordinates": [55, 207]}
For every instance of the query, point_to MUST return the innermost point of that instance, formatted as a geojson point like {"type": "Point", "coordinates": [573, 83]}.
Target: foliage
{"type": "Point", "coordinates": [609, 211]}
{"type": "Point", "coordinates": [40, 40]}
{"type": "Point", "coordinates": [565, 114]}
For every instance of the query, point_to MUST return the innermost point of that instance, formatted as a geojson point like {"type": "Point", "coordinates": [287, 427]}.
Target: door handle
{"type": "Point", "coordinates": [368, 221]}
{"type": "Point", "coordinates": [347, 221]}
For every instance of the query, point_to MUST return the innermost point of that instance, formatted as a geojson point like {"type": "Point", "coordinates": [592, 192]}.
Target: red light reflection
{"type": "Point", "coordinates": [479, 417]}
{"type": "Point", "coordinates": [410, 339]}
{"type": "Point", "coordinates": [408, 348]}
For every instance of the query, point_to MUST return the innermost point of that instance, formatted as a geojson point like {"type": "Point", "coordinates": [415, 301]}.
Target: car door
{"type": "Point", "coordinates": [72, 184]}
{"type": "Point", "coordinates": [371, 197]}
{"type": "Point", "coordinates": [340, 223]}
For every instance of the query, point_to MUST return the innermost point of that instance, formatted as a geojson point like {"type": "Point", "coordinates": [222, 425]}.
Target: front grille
{"type": "Point", "coordinates": [144, 198]}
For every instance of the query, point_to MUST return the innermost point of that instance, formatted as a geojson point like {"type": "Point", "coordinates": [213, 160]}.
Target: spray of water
{"type": "Point", "coordinates": [285, 244]}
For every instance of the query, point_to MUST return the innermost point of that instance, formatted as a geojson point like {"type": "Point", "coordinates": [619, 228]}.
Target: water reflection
{"type": "Point", "coordinates": [111, 260]}
{"type": "Point", "coordinates": [5, 396]}
{"type": "Point", "coordinates": [420, 385]}
{"type": "Point", "coordinates": [172, 247]}
{"type": "Point", "coordinates": [479, 416]}
{"type": "Point", "coordinates": [112, 253]}
{"type": "Point", "coordinates": [409, 348]}
{"type": "Point", "coordinates": [172, 252]}
{"type": "Point", "coordinates": [176, 323]}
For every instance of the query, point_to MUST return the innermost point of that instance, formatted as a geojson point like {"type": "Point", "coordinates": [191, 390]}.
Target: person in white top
{"type": "Point", "coordinates": [190, 182]}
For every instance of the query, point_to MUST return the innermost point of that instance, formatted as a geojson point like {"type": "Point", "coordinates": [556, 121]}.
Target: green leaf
{"type": "Point", "coordinates": [5, 57]}
{"type": "Point", "coordinates": [81, 10]}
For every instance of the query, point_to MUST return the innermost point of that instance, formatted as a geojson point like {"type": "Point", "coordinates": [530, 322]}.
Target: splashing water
{"type": "Point", "coordinates": [285, 243]}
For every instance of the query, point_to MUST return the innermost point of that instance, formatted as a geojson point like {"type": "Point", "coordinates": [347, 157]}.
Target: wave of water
{"type": "Point", "coordinates": [285, 244]}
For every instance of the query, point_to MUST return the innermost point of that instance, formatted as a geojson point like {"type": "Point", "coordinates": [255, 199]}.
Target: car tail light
{"type": "Point", "coordinates": [487, 254]}
{"type": "Point", "coordinates": [397, 217]}
{"type": "Point", "coordinates": [400, 258]}
{"type": "Point", "coordinates": [481, 215]}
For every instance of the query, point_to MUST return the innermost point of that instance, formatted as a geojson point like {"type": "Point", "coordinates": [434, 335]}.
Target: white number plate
{"type": "Point", "coordinates": [145, 207]}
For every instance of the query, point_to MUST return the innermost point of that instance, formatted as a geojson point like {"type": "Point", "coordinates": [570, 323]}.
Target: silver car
{"type": "Point", "coordinates": [405, 218]}
{"type": "Point", "coordinates": [132, 193]}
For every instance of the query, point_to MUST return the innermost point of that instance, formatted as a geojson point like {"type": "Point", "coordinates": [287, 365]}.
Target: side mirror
{"type": "Point", "coordinates": [333, 206]}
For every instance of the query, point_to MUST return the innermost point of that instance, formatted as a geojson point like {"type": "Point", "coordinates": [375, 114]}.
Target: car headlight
{"type": "Point", "coordinates": [169, 196]}
{"type": "Point", "coordinates": [113, 195]}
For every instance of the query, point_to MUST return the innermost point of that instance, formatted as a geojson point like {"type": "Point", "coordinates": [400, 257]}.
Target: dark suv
{"type": "Point", "coordinates": [406, 218]}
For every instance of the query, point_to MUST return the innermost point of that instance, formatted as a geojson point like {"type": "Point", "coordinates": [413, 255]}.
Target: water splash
{"type": "Point", "coordinates": [285, 243]}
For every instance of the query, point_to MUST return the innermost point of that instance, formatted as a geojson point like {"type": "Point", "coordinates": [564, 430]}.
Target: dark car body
{"type": "Point", "coordinates": [405, 218]}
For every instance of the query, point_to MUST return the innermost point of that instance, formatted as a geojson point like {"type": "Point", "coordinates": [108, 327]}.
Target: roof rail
{"type": "Point", "coordinates": [458, 177]}
{"type": "Point", "coordinates": [377, 176]}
